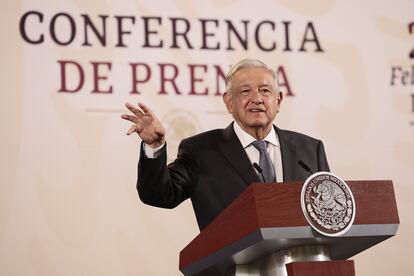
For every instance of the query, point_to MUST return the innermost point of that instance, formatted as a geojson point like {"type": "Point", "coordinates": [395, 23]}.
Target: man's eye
{"type": "Point", "coordinates": [244, 92]}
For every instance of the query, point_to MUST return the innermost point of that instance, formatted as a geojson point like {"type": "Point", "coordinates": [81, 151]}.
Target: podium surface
{"type": "Point", "coordinates": [267, 218]}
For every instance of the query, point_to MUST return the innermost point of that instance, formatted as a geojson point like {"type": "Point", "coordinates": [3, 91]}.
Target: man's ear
{"type": "Point", "coordinates": [279, 100]}
{"type": "Point", "coordinates": [227, 99]}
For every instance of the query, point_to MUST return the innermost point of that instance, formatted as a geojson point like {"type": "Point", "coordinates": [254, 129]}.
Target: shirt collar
{"type": "Point", "coordinates": [246, 139]}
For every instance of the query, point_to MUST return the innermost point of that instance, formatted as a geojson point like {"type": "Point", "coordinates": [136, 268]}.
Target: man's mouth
{"type": "Point", "coordinates": [255, 110]}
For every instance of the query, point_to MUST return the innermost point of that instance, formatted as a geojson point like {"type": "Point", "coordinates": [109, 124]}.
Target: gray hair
{"type": "Point", "coordinates": [248, 63]}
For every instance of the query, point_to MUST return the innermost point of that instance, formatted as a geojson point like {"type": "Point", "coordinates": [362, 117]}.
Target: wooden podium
{"type": "Point", "coordinates": [264, 230]}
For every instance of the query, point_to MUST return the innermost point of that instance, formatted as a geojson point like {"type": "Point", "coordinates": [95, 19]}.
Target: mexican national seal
{"type": "Point", "coordinates": [328, 204]}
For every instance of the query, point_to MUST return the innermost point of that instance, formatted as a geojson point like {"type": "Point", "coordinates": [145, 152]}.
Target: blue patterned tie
{"type": "Point", "coordinates": [265, 162]}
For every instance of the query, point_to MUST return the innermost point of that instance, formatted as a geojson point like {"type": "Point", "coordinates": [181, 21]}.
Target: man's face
{"type": "Point", "coordinates": [254, 100]}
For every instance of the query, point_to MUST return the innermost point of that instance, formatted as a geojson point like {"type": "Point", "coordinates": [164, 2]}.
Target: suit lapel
{"type": "Point", "coordinates": [288, 151]}
{"type": "Point", "coordinates": [236, 155]}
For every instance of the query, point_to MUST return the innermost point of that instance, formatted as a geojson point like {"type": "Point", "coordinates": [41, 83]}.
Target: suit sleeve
{"type": "Point", "coordinates": [322, 160]}
{"type": "Point", "coordinates": [167, 186]}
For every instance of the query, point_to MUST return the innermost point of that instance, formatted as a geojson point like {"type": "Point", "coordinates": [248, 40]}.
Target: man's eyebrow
{"type": "Point", "coordinates": [244, 86]}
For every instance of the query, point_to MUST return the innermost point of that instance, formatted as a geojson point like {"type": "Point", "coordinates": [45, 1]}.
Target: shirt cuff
{"type": "Point", "coordinates": [151, 152]}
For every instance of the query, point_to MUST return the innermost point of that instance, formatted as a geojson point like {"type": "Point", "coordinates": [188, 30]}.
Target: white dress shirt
{"type": "Point", "coordinates": [273, 149]}
{"type": "Point", "coordinates": [151, 152]}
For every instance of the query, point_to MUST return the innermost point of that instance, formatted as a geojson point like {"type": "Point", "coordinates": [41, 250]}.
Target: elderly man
{"type": "Point", "coordinates": [214, 167]}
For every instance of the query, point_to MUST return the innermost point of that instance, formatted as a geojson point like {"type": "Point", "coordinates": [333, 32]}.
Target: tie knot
{"type": "Point", "coordinates": [260, 145]}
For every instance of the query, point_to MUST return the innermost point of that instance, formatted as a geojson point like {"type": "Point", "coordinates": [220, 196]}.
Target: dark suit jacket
{"type": "Point", "coordinates": [212, 169]}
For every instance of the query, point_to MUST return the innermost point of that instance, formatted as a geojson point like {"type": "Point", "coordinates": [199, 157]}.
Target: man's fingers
{"type": "Point", "coordinates": [132, 129]}
{"type": "Point", "coordinates": [130, 118]}
{"type": "Point", "coordinates": [143, 119]}
{"type": "Point", "coordinates": [146, 109]}
{"type": "Point", "coordinates": [134, 109]}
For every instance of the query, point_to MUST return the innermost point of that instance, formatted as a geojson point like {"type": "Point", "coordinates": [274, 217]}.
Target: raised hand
{"type": "Point", "coordinates": [146, 124]}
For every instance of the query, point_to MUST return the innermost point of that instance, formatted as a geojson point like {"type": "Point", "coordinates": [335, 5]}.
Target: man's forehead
{"type": "Point", "coordinates": [254, 82]}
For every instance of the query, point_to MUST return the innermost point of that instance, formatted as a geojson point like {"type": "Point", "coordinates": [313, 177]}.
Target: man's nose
{"type": "Point", "coordinates": [257, 97]}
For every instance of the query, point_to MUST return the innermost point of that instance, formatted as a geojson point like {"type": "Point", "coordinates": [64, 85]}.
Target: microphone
{"type": "Point", "coordinates": [305, 167]}
{"type": "Point", "coordinates": [257, 167]}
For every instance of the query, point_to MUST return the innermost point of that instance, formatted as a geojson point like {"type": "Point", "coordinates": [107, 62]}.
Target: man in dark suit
{"type": "Point", "coordinates": [214, 167]}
